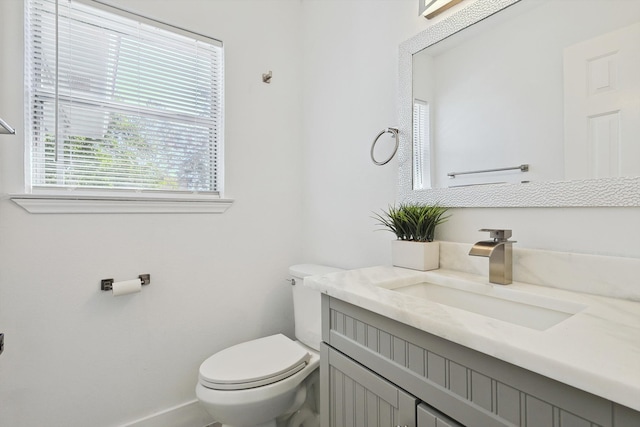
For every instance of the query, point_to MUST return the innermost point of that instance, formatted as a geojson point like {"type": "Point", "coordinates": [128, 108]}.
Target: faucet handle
{"type": "Point", "coordinates": [499, 235]}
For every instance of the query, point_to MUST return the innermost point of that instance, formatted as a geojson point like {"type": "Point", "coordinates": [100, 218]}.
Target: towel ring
{"type": "Point", "coordinates": [394, 132]}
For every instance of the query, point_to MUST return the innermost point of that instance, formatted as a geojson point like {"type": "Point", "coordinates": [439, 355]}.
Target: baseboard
{"type": "Point", "coordinates": [189, 414]}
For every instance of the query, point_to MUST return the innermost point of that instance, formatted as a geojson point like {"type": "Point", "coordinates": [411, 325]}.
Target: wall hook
{"type": "Point", "coordinates": [266, 78]}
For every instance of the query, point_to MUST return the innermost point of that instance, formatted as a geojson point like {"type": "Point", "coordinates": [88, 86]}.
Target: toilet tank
{"type": "Point", "coordinates": [306, 304]}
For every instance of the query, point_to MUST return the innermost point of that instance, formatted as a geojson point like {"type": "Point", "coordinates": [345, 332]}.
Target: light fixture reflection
{"type": "Point", "coordinates": [5, 128]}
{"type": "Point", "coordinates": [432, 8]}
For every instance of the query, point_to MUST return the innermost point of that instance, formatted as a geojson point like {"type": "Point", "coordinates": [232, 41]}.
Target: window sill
{"type": "Point", "coordinates": [75, 204]}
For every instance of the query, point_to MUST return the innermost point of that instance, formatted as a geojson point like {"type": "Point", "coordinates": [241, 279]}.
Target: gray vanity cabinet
{"type": "Point", "coordinates": [373, 366]}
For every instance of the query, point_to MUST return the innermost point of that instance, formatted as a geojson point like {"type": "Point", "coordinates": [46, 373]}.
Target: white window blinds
{"type": "Point", "coordinates": [421, 145]}
{"type": "Point", "coordinates": [116, 101]}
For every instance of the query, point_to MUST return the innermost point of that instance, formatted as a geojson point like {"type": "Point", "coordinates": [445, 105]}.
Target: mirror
{"type": "Point", "coordinates": [500, 84]}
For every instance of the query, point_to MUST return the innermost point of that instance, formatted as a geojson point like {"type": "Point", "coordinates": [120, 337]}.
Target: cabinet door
{"type": "Point", "coordinates": [429, 417]}
{"type": "Point", "coordinates": [353, 396]}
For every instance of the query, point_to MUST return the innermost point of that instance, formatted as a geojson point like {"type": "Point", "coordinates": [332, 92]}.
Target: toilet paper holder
{"type": "Point", "coordinates": [107, 284]}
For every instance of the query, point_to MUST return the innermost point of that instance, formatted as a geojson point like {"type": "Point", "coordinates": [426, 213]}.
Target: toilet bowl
{"type": "Point", "coordinates": [245, 403]}
{"type": "Point", "coordinates": [270, 381]}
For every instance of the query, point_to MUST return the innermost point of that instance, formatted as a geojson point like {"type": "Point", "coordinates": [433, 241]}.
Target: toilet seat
{"type": "Point", "coordinates": [253, 364]}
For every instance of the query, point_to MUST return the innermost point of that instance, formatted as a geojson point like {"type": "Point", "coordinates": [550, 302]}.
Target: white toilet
{"type": "Point", "coordinates": [270, 381]}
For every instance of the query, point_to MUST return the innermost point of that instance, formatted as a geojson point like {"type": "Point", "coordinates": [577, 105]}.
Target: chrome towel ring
{"type": "Point", "coordinates": [394, 132]}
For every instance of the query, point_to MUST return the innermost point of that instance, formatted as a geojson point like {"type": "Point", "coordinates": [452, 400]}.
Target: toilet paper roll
{"type": "Point", "coordinates": [126, 287]}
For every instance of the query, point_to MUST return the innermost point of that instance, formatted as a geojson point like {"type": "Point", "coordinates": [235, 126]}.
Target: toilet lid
{"type": "Point", "coordinates": [253, 363]}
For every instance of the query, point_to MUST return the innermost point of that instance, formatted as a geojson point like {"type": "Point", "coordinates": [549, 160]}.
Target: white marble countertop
{"type": "Point", "coordinates": [596, 350]}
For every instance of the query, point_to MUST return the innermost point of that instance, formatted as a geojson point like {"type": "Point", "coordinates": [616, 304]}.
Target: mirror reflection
{"type": "Point", "coordinates": [552, 85]}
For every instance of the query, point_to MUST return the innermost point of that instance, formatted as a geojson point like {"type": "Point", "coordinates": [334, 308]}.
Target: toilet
{"type": "Point", "coordinates": [270, 381]}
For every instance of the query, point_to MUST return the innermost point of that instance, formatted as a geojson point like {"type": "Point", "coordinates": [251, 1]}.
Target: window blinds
{"type": "Point", "coordinates": [116, 101]}
{"type": "Point", "coordinates": [421, 145]}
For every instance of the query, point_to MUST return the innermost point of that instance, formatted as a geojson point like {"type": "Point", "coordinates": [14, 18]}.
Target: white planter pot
{"type": "Point", "coordinates": [420, 256]}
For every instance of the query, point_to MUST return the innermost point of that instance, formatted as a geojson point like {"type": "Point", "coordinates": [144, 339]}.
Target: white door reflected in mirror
{"type": "Point", "coordinates": [602, 89]}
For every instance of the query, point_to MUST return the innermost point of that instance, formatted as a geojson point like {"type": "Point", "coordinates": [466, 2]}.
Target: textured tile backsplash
{"type": "Point", "coordinates": [614, 277]}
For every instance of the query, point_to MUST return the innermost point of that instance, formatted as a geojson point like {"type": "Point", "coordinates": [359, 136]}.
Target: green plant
{"type": "Point", "coordinates": [412, 221]}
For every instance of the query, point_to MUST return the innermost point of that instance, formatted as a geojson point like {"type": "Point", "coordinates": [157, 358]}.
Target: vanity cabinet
{"type": "Point", "coordinates": [376, 371]}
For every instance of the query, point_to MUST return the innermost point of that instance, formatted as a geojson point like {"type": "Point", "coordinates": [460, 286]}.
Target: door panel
{"type": "Point", "coordinates": [356, 397]}
{"type": "Point", "coordinates": [602, 105]}
{"type": "Point", "coordinates": [429, 417]}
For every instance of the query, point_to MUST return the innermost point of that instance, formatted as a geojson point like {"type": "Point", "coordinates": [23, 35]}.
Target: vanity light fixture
{"type": "Point", "coordinates": [5, 128]}
{"type": "Point", "coordinates": [432, 8]}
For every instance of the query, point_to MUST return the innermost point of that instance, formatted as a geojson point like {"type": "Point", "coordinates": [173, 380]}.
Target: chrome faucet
{"type": "Point", "coordinates": [499, 251]}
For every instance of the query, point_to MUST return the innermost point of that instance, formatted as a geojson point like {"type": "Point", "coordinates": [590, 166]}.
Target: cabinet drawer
{"type": "Point", "coordinates": [471, 387]}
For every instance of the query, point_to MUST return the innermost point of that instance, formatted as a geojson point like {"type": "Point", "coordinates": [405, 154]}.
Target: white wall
{"type": "Point", "coordinates": [77, 357]}
{"type": "Point", "coordinates": [350, 88]}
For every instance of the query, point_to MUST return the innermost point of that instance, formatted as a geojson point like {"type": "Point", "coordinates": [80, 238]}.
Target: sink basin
{"type": "Point", "coordinates": [513, 306]}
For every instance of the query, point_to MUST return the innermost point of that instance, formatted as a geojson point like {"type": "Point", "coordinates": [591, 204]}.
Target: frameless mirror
{"type": "Point", "coordinates": [523, 103]}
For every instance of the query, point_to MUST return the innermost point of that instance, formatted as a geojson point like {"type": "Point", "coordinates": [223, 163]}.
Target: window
{"type": "Point", "coordinates": [421, 145]}
{"type": "Point", "coordinates": [117, 103]}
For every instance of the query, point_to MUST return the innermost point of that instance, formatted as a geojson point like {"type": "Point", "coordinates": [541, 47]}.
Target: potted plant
{"type": "Point", "coordinates": [414, 225]}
